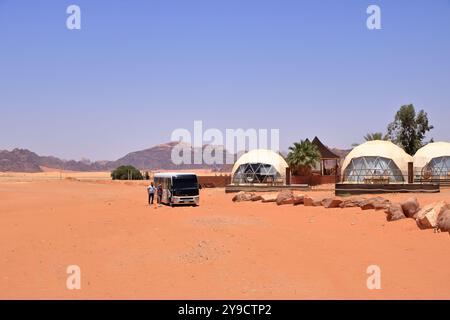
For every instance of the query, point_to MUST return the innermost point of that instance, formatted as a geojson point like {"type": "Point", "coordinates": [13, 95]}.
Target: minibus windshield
{"type": "Point", "coordinates": [185, 182]}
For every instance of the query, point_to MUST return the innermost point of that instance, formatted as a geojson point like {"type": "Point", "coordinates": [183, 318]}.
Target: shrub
{"type": "Point", "coordinates": [126, 173]}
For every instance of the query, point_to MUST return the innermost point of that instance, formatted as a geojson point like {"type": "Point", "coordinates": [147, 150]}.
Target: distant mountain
{"type": "Point", "coordinates": [23, 160]}
{"type": "Point", "coordinates": [160, 157]}
{"type": "Point", "coordinates": [157, 157]}
{"type": "Point", "coordinates": [154, 158]}
{"type": "Point", "coordinates": [19, 160]}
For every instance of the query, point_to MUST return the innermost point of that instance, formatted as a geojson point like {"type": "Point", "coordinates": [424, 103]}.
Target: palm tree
{"type": "Point", "coordinates": [376, 136]}
{"type": "Point", "coordinates": [302, 157]}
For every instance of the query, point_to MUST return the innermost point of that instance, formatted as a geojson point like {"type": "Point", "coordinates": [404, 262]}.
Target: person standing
{"type": "Point", "coordinates": [159, 194]}
{"type": "Point", "coordinates": [151, 193]}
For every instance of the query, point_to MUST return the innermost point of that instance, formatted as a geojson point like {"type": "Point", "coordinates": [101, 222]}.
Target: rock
{"type": "Point", "coordinates": [312, 202]}
{"type": "Point", "coordinates": [443, 222]}
{"type": "Point", "coordinates": [410, 207]}
{"type": "Point", "coordinates": [285, 197]}
{"type": "Point", "coordinates": [269, 197]}
{"type": "Point", "coordinates": [317, 202]}
{"type": "Point", "coordinates": [427, 217]}
{"type": "Point", "coordinates": [256, 197]}
{"type": "Point", "coordinates": [298, 199]}
{"type": "Point", "coordinates": [351, 203]}
{"type": "Point", "coordinates": [368, 204]}
{"type": "Point", "coordinates": [308, 201]}
{"type": "Point", "coordinates": [381, 204]}
{"type": "Point", "coordinates": [331, 202]}
{"type": "Point", "coordinates": [348, 204]}
{"type": "Point", "coordinates": [377, 203]}
{"type": "Point", "coordinates": [243, 196]}
{"type": "Point", "coordinates": [394, 212]}
{"type": "Point", "coordinates": [290, 199]}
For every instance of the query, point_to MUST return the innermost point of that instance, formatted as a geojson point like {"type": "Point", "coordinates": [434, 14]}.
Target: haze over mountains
{"type": "Point", "coordinates": [154, 158]}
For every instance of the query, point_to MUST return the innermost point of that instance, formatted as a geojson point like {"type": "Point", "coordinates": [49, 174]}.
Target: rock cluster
{"type": "Point", "coordinates": [432, 216]}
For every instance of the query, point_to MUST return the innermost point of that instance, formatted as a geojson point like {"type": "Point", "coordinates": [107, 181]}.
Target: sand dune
{"type": "Point", "coordinates": [221, 249]}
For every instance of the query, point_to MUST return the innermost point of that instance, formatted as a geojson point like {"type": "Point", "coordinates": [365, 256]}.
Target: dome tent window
{"type": "Point", "coordinates": [439, 167]}
{"type": "Point", "coordinates": [365, 169]}
{"type": "Point", "coordinates": [376, 162]}
{"type": "Point", "coordinates": [256, 173]}
{"type": "Point", "coordinates": [259, 166]}
{"type": "Point", "coordinates": [432, 162]}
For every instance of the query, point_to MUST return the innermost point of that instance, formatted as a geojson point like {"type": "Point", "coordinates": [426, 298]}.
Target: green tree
{"type": "Point", "coordinates": [376, 136]}
{"type": "Point", "coordinates": [408, 129]}
{"type": "Point", "coordinates": [126, 173]}
{"type": "Point", "coordinates": [302, 157]}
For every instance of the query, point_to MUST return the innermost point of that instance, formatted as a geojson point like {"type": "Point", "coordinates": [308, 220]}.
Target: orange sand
{"type": "Point", "coordinates": [221, 249]}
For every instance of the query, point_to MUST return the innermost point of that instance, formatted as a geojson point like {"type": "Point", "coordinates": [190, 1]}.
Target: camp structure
{"type": "Point", "coordinates": [259, 166]}
{"type": "Point", "coordinates": [376, 162]}
{"type": "Point", "coordinates": [329, 161]}
{"type": "Point", "coordinates": [432, 162]}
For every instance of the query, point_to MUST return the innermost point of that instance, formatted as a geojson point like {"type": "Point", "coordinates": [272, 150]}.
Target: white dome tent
{"type": "Point", "coordinates": [433, 161]}
{"type": "Point", "coordinates": [259, 166]}
{"type": "Point", "coordinates": [376, 161]}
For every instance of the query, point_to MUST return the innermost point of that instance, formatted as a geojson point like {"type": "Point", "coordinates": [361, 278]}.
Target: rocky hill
{"type": "Point", "coordinates": [160, 157]}
{"type": "Point", "coordinates": [19, 160]}
{"type": "Point", "coordinates": [154, 158]}
{"type": "Point", "coordinates": [157, 157]}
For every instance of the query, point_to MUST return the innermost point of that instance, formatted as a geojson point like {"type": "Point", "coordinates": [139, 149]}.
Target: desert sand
{"type": "Point", "coordinates": [219, 250]}
{"type": "Point", "coordinates": [53, 174]}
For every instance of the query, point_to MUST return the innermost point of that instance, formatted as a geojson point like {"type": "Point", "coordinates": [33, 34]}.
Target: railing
{"type": "Point", "coordinates": [419, 176]}
{"type": "Point", "coordinates": [374, 176]}
{"type": "Point", "coordinates": [426, 176]}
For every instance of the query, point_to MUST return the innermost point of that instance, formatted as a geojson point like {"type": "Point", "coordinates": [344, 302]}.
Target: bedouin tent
{"type": "Point", "coordinates": [259, 166]}
{"type": "Point", "coordinates": [376, 161]}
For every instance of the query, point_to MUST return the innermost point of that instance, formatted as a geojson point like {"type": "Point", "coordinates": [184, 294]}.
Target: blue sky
{"type": "Point", "coordinates": [137, 70]}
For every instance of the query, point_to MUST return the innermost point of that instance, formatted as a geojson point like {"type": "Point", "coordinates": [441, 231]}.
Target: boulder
{"type": "Point", "coordinates": [381, 204]}
{"type": "Point", "coordinates": [285, 197]}
{"type": "Point", "coordinates": [317, 202]}
{"type": "Point", "coordinates": [410, 207]}
{"type": "Point", "coordinates": [427, 217]}
{"type": "Point", "coordinates": [348, 204]}
{"type": "Point", "coordinates": [299, 199]}
{"type": "Point", "coordinates": [443, 222]}
{"type": "Point", "coordinates": [394, 212]}
{"type": "Point", "coordinates": [308, 201]}
{"type": "Point", "coordinates": [269, 198]}
{"type": "Point", "coordinates": [256, 197]}
{"type": "Point", "coordinates": [312, 202]}
{"type": "Point", "coordinates": [243, 196]}
{"type": "Point", "coordinates": [367, 204]}
{"type": "Point", "coordinates": [377, 203]}
{"type": "Point", "coordinates": [331, 202]}
{"type": "Point", "coordinates": [351, 203]}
